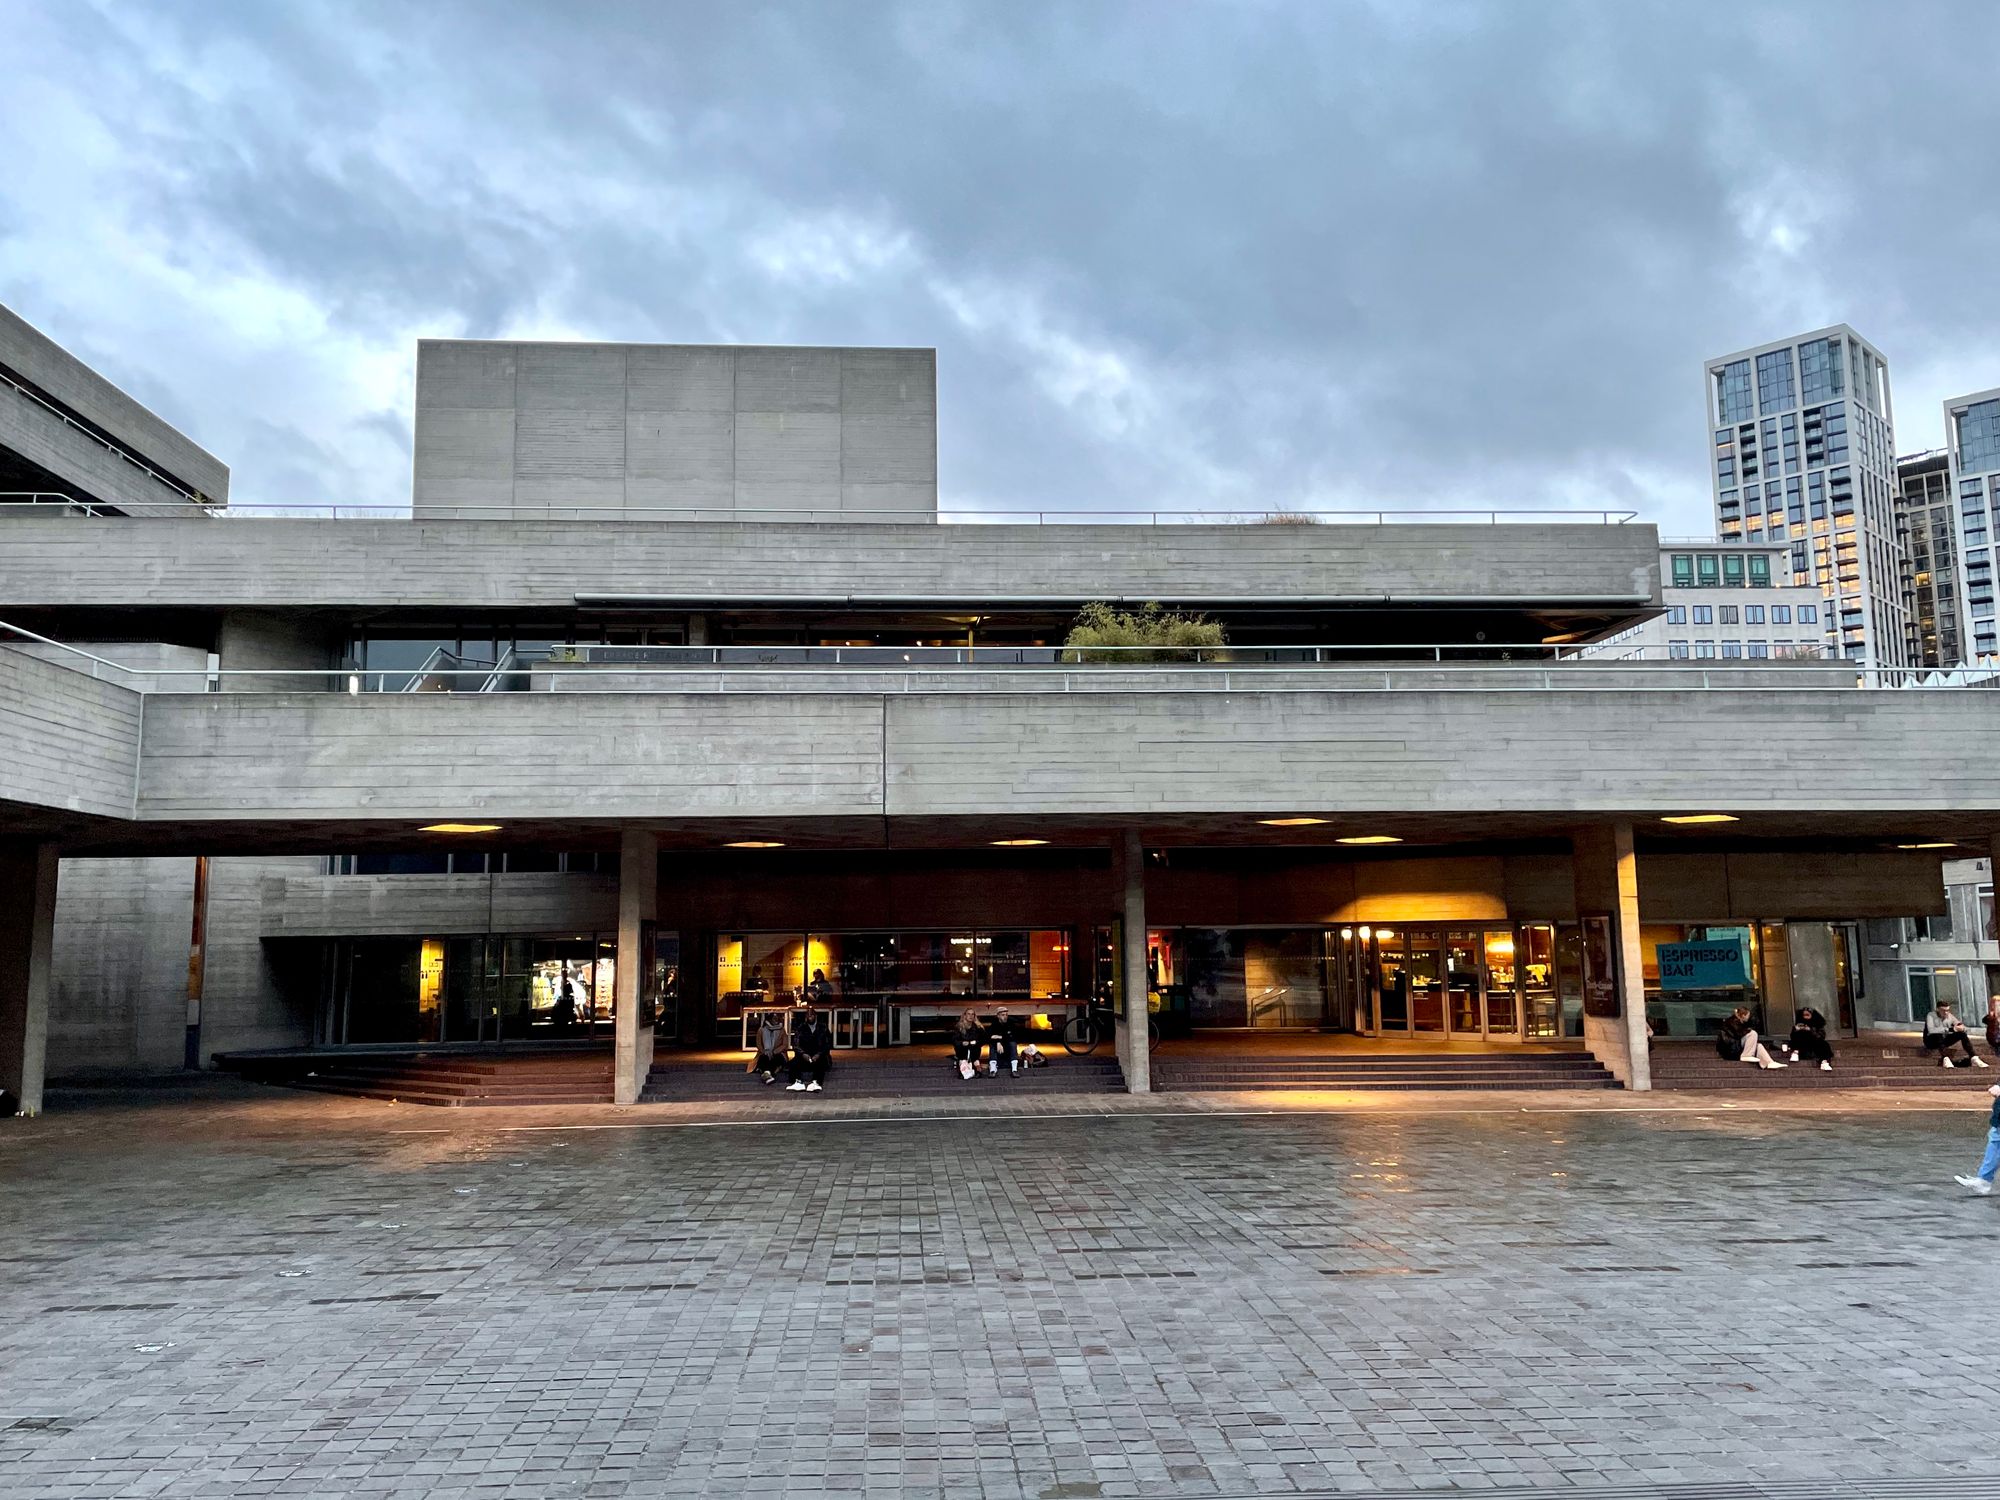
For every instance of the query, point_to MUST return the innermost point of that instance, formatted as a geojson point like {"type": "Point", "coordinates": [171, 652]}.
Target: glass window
{"type": "Point", "coordinates": [1929, 988]}
{"type": "Point", "coordinates": [1684, 570]}
{"type": "Point", "coordinates": [1704, 650]}
{"type": "Point", "coordinates": [1726, 615]}
{"type": "Point", "coordinates": [1732, 571]}
{"type": "Point", "coordinates": [1977, 431]}
{"type": "Point", "coordinates": [1760, 649]}
{"type": "Point", "coordinates": [1781, 614]}
{"type": "Point", "coordinates": [1677, 650]}
{"type": "Point", "coordinates": [1760, 565]}
{"type": "Point", "coordinates": [1732, 391]}
{"type": "Point", "coordinates": [1704, 614]}
{"type": "Point", "coordinates": [1733, 650]}
{"type": "Point", "coordinates": [1819, 369]}
{"type": "Point", "coordinates": [1677, 614]}
{"type": "Point", "coordinates": [1708, 570]}
{"type": "Point", "coordinates": [1808, 614]}
{"type": "Point", "coordinates": [1753, 614]}
{"type": "Point", "coordinates": [1775, 391]}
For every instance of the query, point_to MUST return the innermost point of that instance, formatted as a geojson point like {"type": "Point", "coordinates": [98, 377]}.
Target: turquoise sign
{"type": "Point", "coordinates": [1718, 963]}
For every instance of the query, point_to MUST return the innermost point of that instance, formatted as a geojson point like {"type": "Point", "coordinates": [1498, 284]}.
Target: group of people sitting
{"type": "Point", "coordinates": [798, 1044]}
{"type": "Point", "coordinates": [1736, 1040]}
{"type": "Point", "coordinates": [1001, 1040]}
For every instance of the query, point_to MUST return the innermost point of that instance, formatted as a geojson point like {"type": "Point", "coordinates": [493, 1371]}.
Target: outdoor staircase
{"type": "Point", "coordinates": [871, 1075]}
{"type": "Point", "coordinates": [1498, 1069]}
{"type": "Point", "coordinates": [441, 1078]}
{"type": "Point", "coordinates": [1882, 1061]}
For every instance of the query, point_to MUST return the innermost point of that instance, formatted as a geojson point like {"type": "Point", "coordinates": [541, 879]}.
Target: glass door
{"type": "Point", "coordinates": [1461, 984]}
{"type": "Point", "coordinates": [1427, 988]}
{"type": "Point", "coordinates": [1537, 967]}
{"type": "Point", "coordinates": [1500, 983]}
{"type": "Point", "coordinates": [1392, 979]}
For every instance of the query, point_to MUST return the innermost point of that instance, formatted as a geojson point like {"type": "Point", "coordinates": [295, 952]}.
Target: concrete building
{"type": "Point", "coordinates": [1803, 445]}
{"type": "Point", "coordinates": [67, 433]}
{"type": "Point", "coordinates": [684, 431]}
{"type": "Point", "coordinates": [1724, 601]}
{"type": "Point", "coordinates": [1927, 520]}
{"type": "Point", "coordinates": [1972, 430]}
{"type": "Point", "coordinates": [523, 777]}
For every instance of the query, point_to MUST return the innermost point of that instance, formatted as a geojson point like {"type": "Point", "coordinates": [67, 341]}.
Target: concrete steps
{"type": "Point", "coordinates": [442, 1080]}
{"type": "Point", "coordinates": [873, 1076]}
{"type": "Point", "coordinates": [1858, 1063]}
{"type": "Point", "coordinates": [1381, 1071]}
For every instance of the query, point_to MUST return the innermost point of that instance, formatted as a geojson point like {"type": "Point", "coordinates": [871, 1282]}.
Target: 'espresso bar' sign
{"type": "Point", "coordinates": [1719, 964]}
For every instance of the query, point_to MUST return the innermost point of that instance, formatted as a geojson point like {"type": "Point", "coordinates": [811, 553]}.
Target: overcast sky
{"type": "Point", "coordinates": [1171, 255]}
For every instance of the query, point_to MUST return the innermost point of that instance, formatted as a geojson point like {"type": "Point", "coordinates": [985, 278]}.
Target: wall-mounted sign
{"type": "Point", "coordinates": [1716, 963]}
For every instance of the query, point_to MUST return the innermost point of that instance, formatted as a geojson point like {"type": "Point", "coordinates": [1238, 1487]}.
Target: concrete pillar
{"type": "Point", "coordinates": [638, 906]}
{"type": "Point", "coordinates": [27, 943]}
{"type": "Point", "coordinates": [1136, 1056]}
{"type": "Point", "coordinates": [1607, 883]}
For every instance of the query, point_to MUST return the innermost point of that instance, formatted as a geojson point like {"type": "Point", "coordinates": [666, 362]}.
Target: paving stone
{"type": "Point", "coordinates": [1129, 1302]}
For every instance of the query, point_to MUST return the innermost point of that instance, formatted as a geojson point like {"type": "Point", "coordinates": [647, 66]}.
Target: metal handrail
{"type": "Point", "coordinates": [1620, 673]}
{"type": "Point", "coordinates": [103, 442]}
{"type": "Point", "coordinates": [819, 514]}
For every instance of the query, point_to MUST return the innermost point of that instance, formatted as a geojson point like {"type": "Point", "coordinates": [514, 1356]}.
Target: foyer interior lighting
{"type": "Point", "coordinates": [1370, 838]}
{"type": "Point", "coordinates": [460, 828]}
{"type": "Point", "coordinates": [1700, 818]}
{"type": "Point", "coordinates": [1946, 844]}
{"type": "Point", "coordinates": [753, 844]}
{"type": "Point", "coordinates": [1290, 822]}
{"type": "Point", "coordinates": [1017, 843]}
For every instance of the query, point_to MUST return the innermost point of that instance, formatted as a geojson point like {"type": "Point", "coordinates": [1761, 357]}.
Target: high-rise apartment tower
{"type": "Point", "coordinates": [1804, 452]}
{"type": "Point", "coordinates": [1972, 429]}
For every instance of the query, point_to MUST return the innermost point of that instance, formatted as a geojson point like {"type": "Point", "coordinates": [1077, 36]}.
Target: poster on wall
{"type": "Point", "coordinates": [1600, 969]}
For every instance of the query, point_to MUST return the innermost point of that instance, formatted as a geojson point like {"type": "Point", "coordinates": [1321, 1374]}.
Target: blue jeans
{"type": "Point", "coordinates": [1990, 1163]}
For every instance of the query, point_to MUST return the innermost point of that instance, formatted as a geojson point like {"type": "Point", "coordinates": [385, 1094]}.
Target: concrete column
{"type": "Point", "coordinates": [27, 943]}
{"type": "Point", "coordinates": [638, 905]}
{"type": "Point", "coordinates": [1607, 882]}
{"type": "Point", "coordinates": [1136, 1057]}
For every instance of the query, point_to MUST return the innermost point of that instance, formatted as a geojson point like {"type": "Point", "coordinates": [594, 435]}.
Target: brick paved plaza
{"type": "Point", "coordinates": [241, 1292]}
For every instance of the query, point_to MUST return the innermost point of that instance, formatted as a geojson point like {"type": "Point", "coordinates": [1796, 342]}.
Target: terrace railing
{"type": "Point", "coordinates": [1426, 667]}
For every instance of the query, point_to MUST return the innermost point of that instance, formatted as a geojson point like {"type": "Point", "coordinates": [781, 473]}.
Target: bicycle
{"type": "Point", "coordinates": [1097, 1023]}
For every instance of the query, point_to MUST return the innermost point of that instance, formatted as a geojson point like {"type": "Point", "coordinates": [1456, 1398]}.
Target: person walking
{"type": "Point", "coordinates": [1736, 1041]}
{"type": "Point", "coordinates": [1944, 1031]}
{"type": "Point", "coordinates": [1808, 1040]}
{"type": "Point", "coordinates": [1993, 1023]}
{"type": "Point", "coordinates": [1981, 1182]}
{"type": "Point", "coordinates": [812, 1052]}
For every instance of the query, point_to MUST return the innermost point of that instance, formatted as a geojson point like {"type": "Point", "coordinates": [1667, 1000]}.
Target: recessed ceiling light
{"type": "Point", "coordinates": [1700, 818]}
{"type": "Point", "coordinates": [754, 844]}
{"type": "Point", "coordinates": [1016, 843]}
{"type": "Point", "coordinates": [1290, 822]}
{"type": "Point", "coordinates": [1370, 838]}
{"type": "Point", "coordinates": [460, 828]}
{"type": "Point", "coordinates": [1947, 844]}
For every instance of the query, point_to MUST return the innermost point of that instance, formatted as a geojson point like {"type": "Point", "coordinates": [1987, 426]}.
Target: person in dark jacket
{"type": "Point", "coordinates": [1001, 1041]}
{"type": "Point", "coordinates": [812, 1051]}
{"type": "Point", "coordinates": [1736, 1041]}
{"type": "Point", "coordinates": [1981, 1182]}
{"type": "Point", "coordinates": [1943, 1031]}
{"type": "Point", "coordinates": [1808, 1040]}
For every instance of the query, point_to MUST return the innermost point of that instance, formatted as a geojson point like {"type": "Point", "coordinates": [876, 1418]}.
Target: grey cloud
{"type": "Point", "coordinates": [1397, 255]}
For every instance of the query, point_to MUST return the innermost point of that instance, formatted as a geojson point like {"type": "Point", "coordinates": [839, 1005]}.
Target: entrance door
{"type": "Point", "coordinates": [1499, 983]}
{"type": "Point", "coordinates": [1427, 985]}
{"type": "Point", "coordinates": [1462, 961]}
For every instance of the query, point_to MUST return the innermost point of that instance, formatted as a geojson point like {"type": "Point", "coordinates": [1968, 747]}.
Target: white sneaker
{"type": "Point", "coordinates": [1979, 1062]}
{"type": "Point", "coordinates": [1945, 1062]}
{"type": "Point", "coordinates": [1976, 1185]}
{"type": "Point", "coordinates": [795, 1088]}
{"type": "Point", "coordinates": [1826, 1067]}
{"type": "Point", "coordinates": [812, 1088]}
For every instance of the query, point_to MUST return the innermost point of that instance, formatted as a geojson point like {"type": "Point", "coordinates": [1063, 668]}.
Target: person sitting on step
{"type": "Point", "coordinates": [1736, 1041]}
{"type": "Point", "coordinates": [1002, 1043]}
{"type": "Point", "coordinates": [966, 1039]}
{"type": "Point", "coordinates": [772, 1046]}
{"type": "Point", "coordinates": [812, 1051]}
{"type": "Point", "coordinates": [1943, 1031]}
{"type": "Point", "coordinates": [1808, 1039]}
